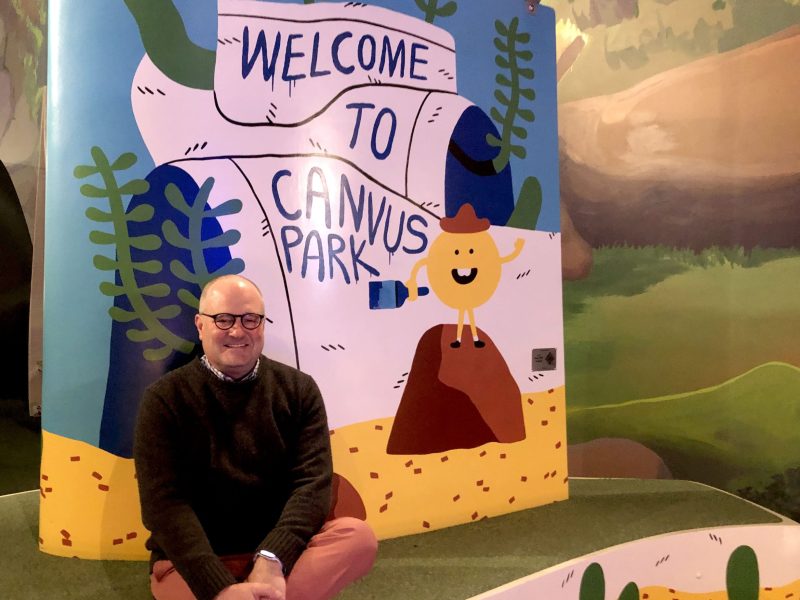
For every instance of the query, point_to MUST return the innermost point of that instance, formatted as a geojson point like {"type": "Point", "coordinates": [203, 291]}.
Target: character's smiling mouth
{"type": "Point", "coordinates": [464, 276]}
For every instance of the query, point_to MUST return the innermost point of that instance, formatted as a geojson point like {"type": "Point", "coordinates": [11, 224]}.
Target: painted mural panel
{"type": "Point", "coordinates": [756, 562]}
{"type": "Point", "coordinates": [387, 174]}
{"type": "Point", "coordinates": [678, 124]}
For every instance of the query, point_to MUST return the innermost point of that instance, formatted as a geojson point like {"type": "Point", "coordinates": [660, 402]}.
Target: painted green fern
{"type": "Point", "coordinates": [510, 58]}
{"type": "Point", "coordinates": [432, 9]}
{"type": "Point", "coordinates": [195, 243]}
{"type": "Point", "coordinates": [122, 243]}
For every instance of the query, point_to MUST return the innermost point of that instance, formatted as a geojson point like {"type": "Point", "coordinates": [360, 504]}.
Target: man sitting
{"type": "Point", "coordinates": [233, 462]}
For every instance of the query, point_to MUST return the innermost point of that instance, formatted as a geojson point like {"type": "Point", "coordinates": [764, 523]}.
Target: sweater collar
{"type": "Point", "coordinates": [222, 377]}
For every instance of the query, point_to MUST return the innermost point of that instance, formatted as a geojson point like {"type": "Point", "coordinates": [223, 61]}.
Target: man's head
{"type": "Point", "coordinates": [233, 351]}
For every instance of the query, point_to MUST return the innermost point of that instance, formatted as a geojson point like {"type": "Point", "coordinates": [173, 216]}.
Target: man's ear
{"type": "Point", "coordinates": [198, 323]}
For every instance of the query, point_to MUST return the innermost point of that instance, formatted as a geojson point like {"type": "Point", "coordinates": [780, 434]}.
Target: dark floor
{"type": "Point", "coordinates": [456, 562]}
{"type": "Point", "coordinates": [20, 447]}
{"type": "Point", "coordinates": [453, 563]}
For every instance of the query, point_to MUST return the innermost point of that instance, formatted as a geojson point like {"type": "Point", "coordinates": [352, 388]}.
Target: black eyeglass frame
{"type": "Point", "coordinates": [240, 317]}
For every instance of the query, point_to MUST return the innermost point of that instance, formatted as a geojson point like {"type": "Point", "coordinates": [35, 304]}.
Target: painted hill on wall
{"type": "Point", "coordinates": [646, 166]}
{"type": "Point", "coordinates": [739, 427]}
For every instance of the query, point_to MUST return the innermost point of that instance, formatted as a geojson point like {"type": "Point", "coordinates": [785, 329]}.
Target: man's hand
{"type": "Point", "coordinates": [251, 591]}
{"type": "Point", "coordinates": [268, 572]}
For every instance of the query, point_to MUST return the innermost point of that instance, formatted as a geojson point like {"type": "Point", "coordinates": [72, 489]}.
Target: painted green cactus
{"type": "Point", "coordinates": [629, 592]}
{"type": "Point", "coordinates": [593, 586]}
{"type": "Point", "coordinates": [194, 242]}
{"type": "Point", "coordinates": [529, 205]}
{"type": "Point", "coordinates": [741, 577]}
{"type": "Point", "coordinates": [510, 58]}
{"type": "Point", "coordinates": [593, 583]}
{"type": "Point", "coordinates": [432, 9]}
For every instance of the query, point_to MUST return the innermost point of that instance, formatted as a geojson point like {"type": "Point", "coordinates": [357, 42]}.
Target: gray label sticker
{"type": "Point", "coordinates": [544, 359]}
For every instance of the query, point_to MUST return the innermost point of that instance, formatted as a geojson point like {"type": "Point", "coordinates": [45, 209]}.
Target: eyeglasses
{"type": "Point", "coordinates": [226, 320]}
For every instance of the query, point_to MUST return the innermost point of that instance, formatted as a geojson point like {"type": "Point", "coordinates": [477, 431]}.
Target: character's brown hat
{"type": "Point", "coordinates": [465, 221]}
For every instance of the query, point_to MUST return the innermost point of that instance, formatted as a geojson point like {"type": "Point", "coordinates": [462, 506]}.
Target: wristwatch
{"type": "Point", "coordinates": [269, 556]}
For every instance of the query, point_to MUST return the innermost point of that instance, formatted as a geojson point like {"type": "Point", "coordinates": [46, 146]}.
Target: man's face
{"type": "Point", "coordinates": [233, 351]}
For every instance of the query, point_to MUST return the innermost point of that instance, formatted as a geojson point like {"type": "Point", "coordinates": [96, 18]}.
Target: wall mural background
{"type": "Point", "coordinates": [680, 168]}
{"type": "Point", "coordinates": [22, 81]}
{"type": "Point", "coordinates": [678, 333]}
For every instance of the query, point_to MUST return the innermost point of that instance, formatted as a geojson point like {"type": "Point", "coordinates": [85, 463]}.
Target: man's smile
{"type": "Point", "coordinates": [464, 276]}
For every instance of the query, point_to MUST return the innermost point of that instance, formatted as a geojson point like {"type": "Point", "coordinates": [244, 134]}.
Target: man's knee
{"type": "Point", "coordinates": [364, 541]}
{"type": "Point", "coordinates": [358, 541]}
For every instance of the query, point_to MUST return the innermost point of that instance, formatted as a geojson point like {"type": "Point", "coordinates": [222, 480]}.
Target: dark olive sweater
{"type": "Point", "coordinates": [230, 468]}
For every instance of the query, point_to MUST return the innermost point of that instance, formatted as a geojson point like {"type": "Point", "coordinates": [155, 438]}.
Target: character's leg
{"type": "Point", "coordinates": [457, 343]}
{"type": "Point", "coordinates": [343, 551]}
{"type": "Point", "coordinates": [478, 343]}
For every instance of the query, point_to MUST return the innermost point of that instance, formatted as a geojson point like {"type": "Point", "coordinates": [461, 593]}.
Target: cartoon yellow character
{"type": "Point", "coordinates": [464, 267]}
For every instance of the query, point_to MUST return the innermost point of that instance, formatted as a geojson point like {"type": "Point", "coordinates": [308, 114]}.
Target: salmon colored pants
{"type": "Point", "coordinates": [342, 552]}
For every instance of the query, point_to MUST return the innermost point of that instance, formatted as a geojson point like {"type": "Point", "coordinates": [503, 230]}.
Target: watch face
{"type": "Point", "coordinates": [267, 554]}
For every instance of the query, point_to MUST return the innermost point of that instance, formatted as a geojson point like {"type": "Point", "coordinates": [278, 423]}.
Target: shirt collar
{"type": "Point", "coordinates": [222, 377]}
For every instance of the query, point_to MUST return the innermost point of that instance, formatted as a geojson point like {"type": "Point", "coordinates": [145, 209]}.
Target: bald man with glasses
{"type": "Point", "coordinates": [233, 462]}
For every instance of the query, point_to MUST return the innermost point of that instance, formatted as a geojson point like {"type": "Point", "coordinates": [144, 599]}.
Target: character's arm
{"type": "Point", "coordinates": [411, 284]}
{"type": "Point", "coordinates": [163, 492]}
{"type": "Point", "coordinates": [518, 244]}
{"type": "Point", "coordinates": [309, 475]}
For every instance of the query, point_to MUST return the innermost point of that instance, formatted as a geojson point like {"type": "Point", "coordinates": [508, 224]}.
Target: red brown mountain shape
{"type": "Point", "coordinates": [704, 154]}
{"type": "Point", "coordinates": [345, 500]}
{"type": "Point", "coordinates": [456, 397]}
{"type": "Point", "coordinates": [615, 457]}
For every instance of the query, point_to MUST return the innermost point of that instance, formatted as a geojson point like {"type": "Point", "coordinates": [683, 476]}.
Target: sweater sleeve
{"type": "Point", "coordinates": [166, 510]}
{"type": "Point", "coordinates": [310, 479]}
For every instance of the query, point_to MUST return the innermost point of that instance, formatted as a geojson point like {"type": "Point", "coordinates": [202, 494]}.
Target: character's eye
{"type": "Point", "coordinates": [456, 252]}
{"type": "Point", "coordinates": [471, 251]}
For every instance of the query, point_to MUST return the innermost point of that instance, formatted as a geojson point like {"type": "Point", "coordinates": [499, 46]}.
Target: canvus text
{"type": "Point", "coordinates": [342, 87]}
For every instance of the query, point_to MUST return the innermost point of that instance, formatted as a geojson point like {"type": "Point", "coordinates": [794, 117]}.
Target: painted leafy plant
{"type": "Point", "coordinates": [433, 9]}
{"type": "Point", "coordinates": [511, 92]}
{"type": "Point", "coordinates": [194, 242]}
{"type": "Point", "coordinates": [147, 322]}
{"type": "Point", "coordinates": [123, 265]}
